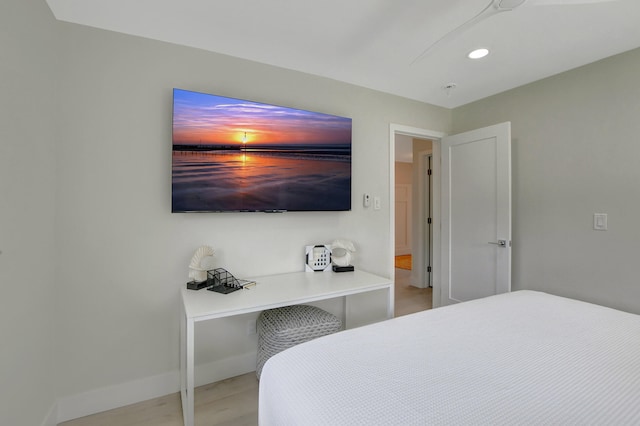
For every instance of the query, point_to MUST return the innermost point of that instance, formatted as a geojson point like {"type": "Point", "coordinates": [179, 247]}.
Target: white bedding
{"type": "Point", "coordinates": [519, 358]}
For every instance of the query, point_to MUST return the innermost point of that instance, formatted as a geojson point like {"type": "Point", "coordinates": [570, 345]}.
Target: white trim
{"type": "Point", "coordinates": [415, 132]}
{"type": "Point", "coordinates": [435, 137]}
{"type": "Point", "coordinates": [51, 419]}
{"type": "Point", "coordinates": [107, 398]}
{"type": "Point", "coordinates": [435, 186]}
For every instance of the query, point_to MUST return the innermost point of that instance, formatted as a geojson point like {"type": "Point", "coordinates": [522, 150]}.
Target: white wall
{"type": "Point", "coordinates": [27, 188]}
{"type": "Point", "coordinates": [122, 256]}
{"type": "Point", "coordinates": [575, 153]}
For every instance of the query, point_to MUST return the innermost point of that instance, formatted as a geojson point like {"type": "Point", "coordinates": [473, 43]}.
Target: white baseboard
{"type": "Point", "coordinates": [225, 368]}
{"type": "Point", "coordinates": [51, 419]}
{"type": "Point", "coordinates": [107, 398]}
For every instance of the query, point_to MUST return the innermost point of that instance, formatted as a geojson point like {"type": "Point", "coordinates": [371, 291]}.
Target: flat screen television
{"type": "Point", "coordinates": [233, 155]}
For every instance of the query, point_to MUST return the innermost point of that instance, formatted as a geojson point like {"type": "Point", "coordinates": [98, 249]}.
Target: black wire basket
{"type": "Point", "coordinates": [222, 281]}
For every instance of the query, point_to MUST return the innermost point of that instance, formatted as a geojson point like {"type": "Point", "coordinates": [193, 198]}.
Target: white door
{"type": "Point", "coordinates": [476, 214]}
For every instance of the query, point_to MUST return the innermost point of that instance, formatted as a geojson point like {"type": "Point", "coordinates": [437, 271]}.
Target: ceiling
{"type": "Point", "coordinates": [372, 43]}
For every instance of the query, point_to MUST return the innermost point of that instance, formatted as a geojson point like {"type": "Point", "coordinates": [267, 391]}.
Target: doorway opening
{"type": "Point", "coordinates": [416, 198]}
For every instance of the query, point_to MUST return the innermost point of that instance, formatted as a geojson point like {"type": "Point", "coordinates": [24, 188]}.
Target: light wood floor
{"type": "Point", "coordinates": [231, 402]}
{"type": "Point", "coordinates": [409, 299]}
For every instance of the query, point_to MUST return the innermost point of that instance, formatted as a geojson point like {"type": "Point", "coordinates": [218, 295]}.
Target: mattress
{"type": "Point", "coordinates": [525, 358]}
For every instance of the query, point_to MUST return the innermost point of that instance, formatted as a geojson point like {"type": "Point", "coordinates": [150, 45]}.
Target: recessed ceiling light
{"type": "Point", "coordinates": [478, 53]}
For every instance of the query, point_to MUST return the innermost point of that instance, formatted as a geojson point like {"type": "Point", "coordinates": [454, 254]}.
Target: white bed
{"type": "Point", "coordinates": [519, 358]}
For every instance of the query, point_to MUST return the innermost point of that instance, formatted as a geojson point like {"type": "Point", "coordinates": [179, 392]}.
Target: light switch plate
{"type": "Point", "coordinates": [600, 221]}
{"type": "Point", "coordinates": [376, 203]}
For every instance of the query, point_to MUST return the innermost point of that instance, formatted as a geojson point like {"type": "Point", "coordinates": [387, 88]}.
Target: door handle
{"type": "Point", "coordinates": [501, 243]}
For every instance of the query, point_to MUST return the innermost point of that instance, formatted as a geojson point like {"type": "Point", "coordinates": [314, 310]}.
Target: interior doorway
{"type": "Point", "coordinates": [412, 273]}
{"type": "Point", "coordinates": [425, 237]}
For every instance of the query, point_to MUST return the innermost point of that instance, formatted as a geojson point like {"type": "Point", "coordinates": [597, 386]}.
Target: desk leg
{"type": "Point", "coordinates": [344, 312]}
{"type": "Point", "coordinates": [186, 368]}
{"type": "Point", "coordinates": [391, 301]}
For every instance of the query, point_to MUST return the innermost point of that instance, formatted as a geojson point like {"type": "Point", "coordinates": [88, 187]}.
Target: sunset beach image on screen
{"type": "Point", "coordinates": [238, 155]}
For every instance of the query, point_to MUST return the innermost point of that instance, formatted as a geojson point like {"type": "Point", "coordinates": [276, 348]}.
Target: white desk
{"type": "Point", "coordinates": [270, 292]}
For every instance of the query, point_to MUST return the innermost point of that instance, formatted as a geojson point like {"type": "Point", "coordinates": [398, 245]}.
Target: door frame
{"type": "Point", "coordinates": [434, 136]}
{"type": "Point", "coordinates": [426, 211]}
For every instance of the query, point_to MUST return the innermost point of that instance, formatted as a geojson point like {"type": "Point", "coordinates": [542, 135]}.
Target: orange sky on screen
{"type": "Point", "coordinates": [210, 119]}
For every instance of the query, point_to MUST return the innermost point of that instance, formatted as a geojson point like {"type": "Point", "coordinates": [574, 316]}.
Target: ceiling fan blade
{"type": "Point", "coordinates": [487, 12]}
{"type": "Point", "coordinates": [493, 8]}
{"type": "Point", "coordinates": [564, 2]}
